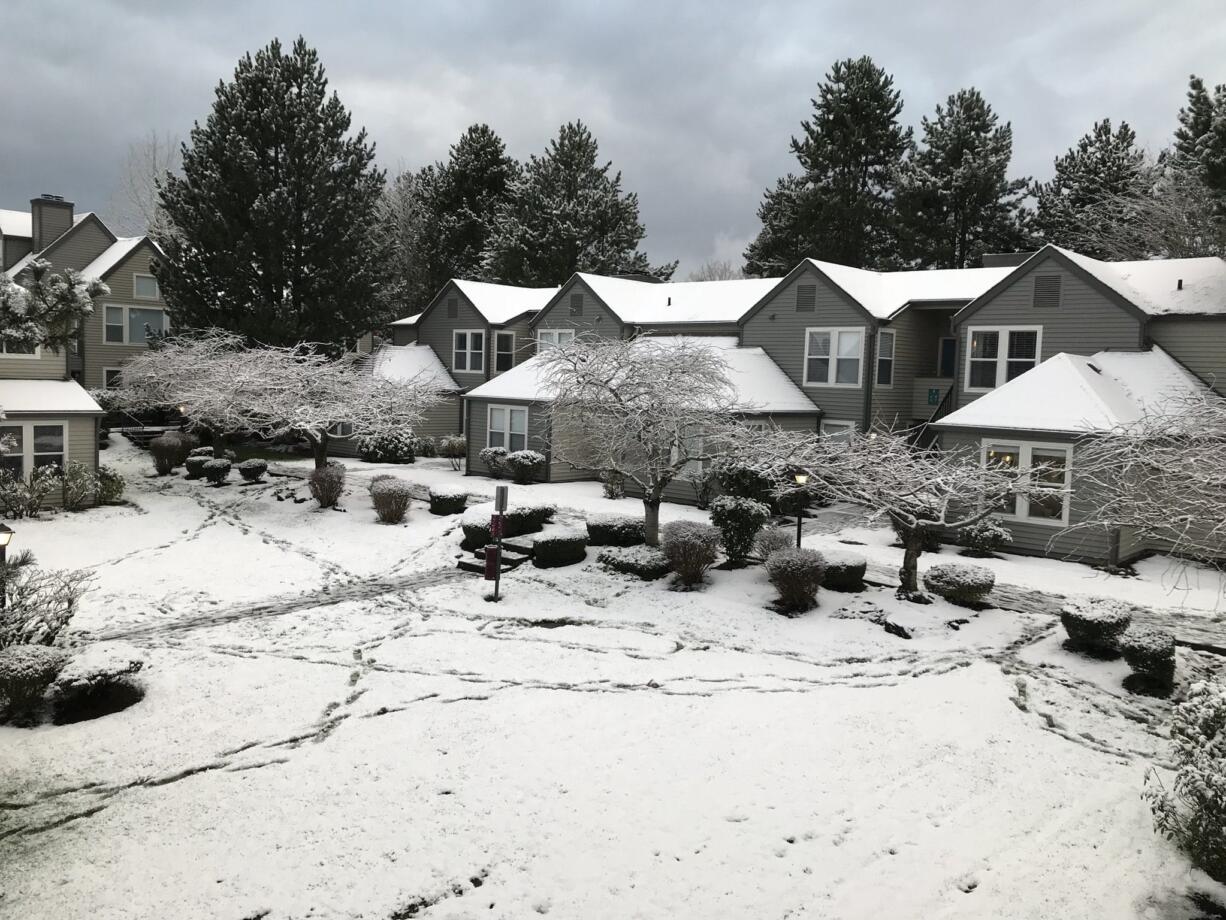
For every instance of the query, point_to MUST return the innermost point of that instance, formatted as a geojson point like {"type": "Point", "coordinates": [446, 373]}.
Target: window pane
{"type": "Point", "coordinates": [138, 319]}
{"type": "Point", "coordinates": [566, 338]}
{"type": "Point", "coordinates": [849, 344]}
{"type": "Point", "coordinates": [517, 442]}
{"type": "Point", "coordinates": [1047, 505]}
{"type": "Point", "coordinates": [461, 360]}
{"type": "Point", "coordinates": [145, 287]}
{"type": "Point", "coordinates": [885, 373]}
{"type": "Point", "coordinates": [114, 325]}
{"type": "Point", "coordinates": [885, 345]}
{"type": "Point", "coordinates": [985, 344]}
{"type": "Point", "coordinates": [546, 338]}
{"type": "Point", "coordinates": [496, 438]}
{"type": "Point", "coordinates": [1023, 344]}
{"type": "Point", "coordinates": [48, 439]}
{"type": "Point", "coordinates": [477, 341]}
{"type": "Point", "coordinates": [504, 361]}
{"type": "Point", "coordinates": [847, 370]}
{"type": "Point", "coordinates": [983, 374]}
{"type": "Point", "coordinates": [819, 344]}
{"type": "Point", "coordinates": [498, 420]}
{"type": "Point", "coordinates": [519, 421]}
{"type": "Point", "coordinates": [14, 445]}
{"type": "Point", "coordinates": [819, 370]}
{"type": "Point", "coordinates": [1014, 369]}
{"type": "Point", "coordinates": [1047, 467]}
{"type": "Point", "coordinates": [1005, 457]}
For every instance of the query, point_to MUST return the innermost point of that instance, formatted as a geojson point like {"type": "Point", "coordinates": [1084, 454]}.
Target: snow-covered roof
{"type": "Point", "coordinates": [761, 384]}
{"type": "Point", "coordinates": [1153, 285]}
{"type": "Point", "coordinates": [46, 397]}
{"type": "Point", "coordinates": [885, 293]}
{"type": "Point", "coordinates": [111, 256]}
{"type": "Point", "coordinates": [499, 303]}
{"type": "Point", "coordinates": [681, 301]}
{"type": "Point", "coordinates": [1075, 394]}
{"type": "Point", "coordinates": [15, 223]}
{"type": "Point", "coordinates": [411, 362]}
{"type": "Point", "coordinates": [17, 267]}
{"type": "Point", "coordinates": [407, 321]}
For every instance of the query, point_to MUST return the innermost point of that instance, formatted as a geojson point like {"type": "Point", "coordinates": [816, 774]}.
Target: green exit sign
{"type": "Point", "coordinates": [934, 396]}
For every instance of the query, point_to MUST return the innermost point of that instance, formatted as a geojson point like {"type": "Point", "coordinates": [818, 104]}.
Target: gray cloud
{"type": "Point", "coordinates": [694, 102]}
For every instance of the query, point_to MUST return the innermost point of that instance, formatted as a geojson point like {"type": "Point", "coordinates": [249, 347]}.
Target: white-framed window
{"type": "Point", "coordinates": [837, 429]}
{"type": "Point", "coordinates": [834, 357]}
{"type": "Point", "coordinates": [997, 354]}
{"type": "Point", "coordinates": [1047, 471]}
{"type": "Point", "coordinates": [124, 325]}
{"type": "Point", "coordinates": [507, 427]}
{"type": "Point", "coordinates": [504, 351]}
{"type": "Point", "coordinates": [693, 444]}
{"type": "Point", "coordinates": [341, 430]}
{"type": "Point", "coordinates": [111, 377]}
{"type": "Point", "coordinates": [555, 337]}
{"type": "Point", "coordinates": [33, 444]}
{"type": "Point", "coordinates": [885, 359]}
{"type": "Point", "coordinates": [145, 287]}
{"type": "Point", "coordinates": [19, 349]}
{"type": "Point", "coordinates": [468, 351]}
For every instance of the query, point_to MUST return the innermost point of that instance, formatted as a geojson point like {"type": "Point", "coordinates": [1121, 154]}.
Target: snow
{"type": "Point", "coordinates": [760, 383]}
{"type": "Point", "coordinates": [330, 731]}
{"type": "Point", "coordinates": [1153, 284]}
{"type": "Point", "coordinates": [884, 294]}
{"type": "Point", "coordinates": [410, 362]}
{"type": "Point", "coordinates": [19, 266]}
{"type": "Point", "coordinates": [680, 301]}
{"type": "Point", "coordinates": [46, 397]}
{"type": "Point", "coordinates": [16, 223]}
{"type": "Point", "coordinates": [407, 321]}
{"type": "Point", "coordinates": [501, 303]}
{"type": "Point", "coordinates": [1072, 394]}
{"type": "Point", "coordinates": [111, 256]}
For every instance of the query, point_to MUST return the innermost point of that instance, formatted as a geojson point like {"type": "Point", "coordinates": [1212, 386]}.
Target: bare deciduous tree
{"type": "Point", "coordinates": [717, 270]}
{"type": "Point", "coordinates": [137, 206]}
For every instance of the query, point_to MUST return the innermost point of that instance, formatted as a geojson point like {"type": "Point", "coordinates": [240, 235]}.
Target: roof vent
{"type": "Point", "coordinates": [1094, 367]}
{"type": "Point", "coordinates": [1179, 285]}
{"type": "Point", "coordinates": [670, 302]}
{"type": "Point", "coordinates": [45, 197]}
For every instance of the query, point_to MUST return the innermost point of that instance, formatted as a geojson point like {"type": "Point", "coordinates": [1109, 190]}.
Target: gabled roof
{"type": "Point", "coordinates": [761, 385]}
{"type": "Point", "coordinates": [501, 303]}
{"type": "Point", "coordinates": [1154, 284]}
{"type": "Point", "coordinates": [407, 321]}
{"type": "Point", "coordinates": [411, 362]}
{"type": "Point", "coordinates": [1073, 394]}
{"type": "Point", "coordinates": [884, 294]}
{"type": "Point", "coordinates": [46, 397]}
{"type": "Point", "coordinates": [110, 257]}
{"type": "Point", "coordinates": [16, 223]}
{"type": "Point", "coordinates": [87, 216]}
{"type": "Point", "coordinates": [645, 302]}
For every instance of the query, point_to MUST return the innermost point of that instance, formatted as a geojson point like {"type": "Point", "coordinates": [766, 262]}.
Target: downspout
{"type": "Point", "coordinates": [870, 375]}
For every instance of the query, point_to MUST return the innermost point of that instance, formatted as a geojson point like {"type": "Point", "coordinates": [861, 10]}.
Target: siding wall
{"type": "Point", "coordinates": [478, 421]}
{"type": "Point", "coordinates": [525, 344]}
{"type": "Point", "coordinates": [780, 331]}
{"type": "Point", "coordinates": [699, 329]}
{"type": "Point", "coordinates": [1086, 321]}
{"type": "Point", "coordinates": [436, 329]}
{"type": "Point", "coordinates": [15, 247]}
{"type": "Point", "coordinates": [404, 335]}
{"type": "Point", "coordinates": [49, 365]}
{"type": "Point", "coordinates": [98, 353]}
{"type": "Point", "coordinates": [77, 249]}
{"type": "Point", "coordinates": [594, 320]}
{"type": "Point", "coordinates": [442, 419]}
{"type": "Point", "coordinates": [1198, 344]}
{"type": "Point", "coordinates": [81, 433]}
{"type": "Point", "coordinates": [917, 334]}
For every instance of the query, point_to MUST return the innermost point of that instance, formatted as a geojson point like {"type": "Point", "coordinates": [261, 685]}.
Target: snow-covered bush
{"type": "Point", "coordinates": [525, 465]}
{"type": "Point", "coordinates": [38, 602]}
{"type": "Point", "coordinates": [495, 460]}
{"type": "Point", "coordinates": [616, 530]}
{"type": "Point", "coordinates": [110, 485]}
{"type": "Point", "coordinates": [327, 484]}
{"type": "Point", "coordinates": [388, 447]}
{"type": "Point", "coordinates": [425, 447]}
{"type": "Point", "coordinates": [1094, 626]}
{"type": "Point", "coordinates": [739, 520]}
{"type": "Point", "coordinates": [253, 470]}
{"type": "Point", "coordinates": [844, 571]}
{"type": "Point", "coordinates": [169, 450]}
{"type": "Point", "coordinates": [454, 447]}
{"type": "Point", "coordinates": [773, 539]}
{"type": "Point", "coordinates": [378, 477]}
{"type": "Point", "coordinates": [613, 484]}
{"type": "Point", "coordinates": [194, 465]}
{"type": "Point", "coordinates": [1193, 812]}
{"type": "Point", "coordinates": [217, 471]}
{"type": "Point", "coordinates": [985, 538]}
{"type": "Point", "coordinates": [645, 562]}
{"type": "Point", "coordinates": [744, 480]}
{"type": "Point", "coordinates": [796, 574]}
{"type": "Point", "coordinates": [79, 486]}
{"type": "Point", "coordinates": [515, 522]}
{"type": "Point", "coordinates": [390, 498]}
{"type": "Point", "coordinates": [1151, 655]}
{"type": "Point", "coordinates": [26, 671]}
{"type": "Point", "coordinates": [25, 496]}
{"type": "Point", "coordinates": [99, 680]}
{"type": "Point", "coordinates": [205, 451]}
{"type": "Point", "coordinates": [558, 549]}
{"type": "Point", "coordinates": [960, 583]}
{"type": "Point", "coordinates": [447, 501]}
{"type": "Point", "coordinates": [690, 548]}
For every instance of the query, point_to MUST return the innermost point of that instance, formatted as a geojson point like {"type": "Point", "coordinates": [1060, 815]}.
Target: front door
{"type": "Point", "coordinates": [947, 357]}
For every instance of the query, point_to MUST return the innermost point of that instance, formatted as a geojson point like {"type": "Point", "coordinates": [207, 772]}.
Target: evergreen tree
{"type": "Point", "coordinates": [1200, 138]}
{"type": "Point", "coordinates": [954, 197]}
{"type": "Point", "coordinates": [839, 207]}
{"type": "Point", "coordinates": [1196, 120]}
{"type": "Point", "coordinates": [1105, 165]}
{"type": "Point", "coordinates": [567, 213]}
{"type": "Point", "coordinates": [275, 211]}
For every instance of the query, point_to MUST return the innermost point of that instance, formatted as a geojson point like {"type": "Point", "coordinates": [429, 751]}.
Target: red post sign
{"type": "Point", "coordinates": [496, 526]}
{"type": "Point", "coordinates": [493, 560]}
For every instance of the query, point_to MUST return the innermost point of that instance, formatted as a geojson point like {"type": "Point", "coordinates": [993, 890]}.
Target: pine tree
{"type": "Point", "coordinates": [1105, 165]}
{"type": "Point", "coordinates": [1196, 120]}
{"type": "Point", "coordinates": [954, 197]}
{"type": "Point", "coordinates": [567, 213]}
{"type": "Point", "coordinates": [275, 212]}
{"type": "Point", "coordinates": [838, 208]}
{"type": "Point", "coordinates": [1200, 138]}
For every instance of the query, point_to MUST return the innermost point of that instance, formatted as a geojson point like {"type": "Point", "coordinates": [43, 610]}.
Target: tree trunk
{"type": "Point", "coordinates": [651, 520]}
{"type": "Point", "coordinates": [319, 448]}
{"type": "Point", "coordinates": [908, 574]}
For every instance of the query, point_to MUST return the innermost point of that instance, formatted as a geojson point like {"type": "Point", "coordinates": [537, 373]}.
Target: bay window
{"type": "Point", "coordinates": [833, 357]}
{"type": "Point", "coordinates": [468, 351]}
{"type": "Point", "coordinates": [1043, 487]}
{"type": "Point", "coordinates": [997, 354]}
{"type": "Point", "coordinates": [507, 427]}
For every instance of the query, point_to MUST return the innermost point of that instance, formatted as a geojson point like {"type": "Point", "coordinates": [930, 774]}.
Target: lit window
{"type": "Point", "coordinates": [1043, 489]}
{"type": "Point", "coordinates": [997, 355]}
{"type": "Point", "coordinates": [833, 357]}
{"type": "Point", "coordinates": [508, 428]}
{"type": "Point", "coordinates": [469, 352]}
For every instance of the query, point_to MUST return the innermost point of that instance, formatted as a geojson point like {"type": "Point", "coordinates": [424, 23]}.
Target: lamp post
{"type": "Point", "coordinates": [6, 534]}
{"type": "Point", "coordinates": [801, 479]}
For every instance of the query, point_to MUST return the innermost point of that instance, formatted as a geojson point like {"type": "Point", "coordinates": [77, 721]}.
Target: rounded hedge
{"type": "Point", "coordinates": [616, 530]}
{"type": "Point", "coordinates": [201, 452]}
{"type": "Point", "coordinates": [690, 548]}
{"type": "Point", "coordinates": [252, 470]}
{"type": "Point", "coordinates": [443, 501]}
{"type": "Point", "coordinates": [796, 574]}
{"type": "Point", "coordinates": [844, 571]}
{"type": "Point", "coordinates": [525, 465]}
{"type": "Point", "coordinates": [1151, 655]}
{"type": "Point", "coordinates": [195, 465]}
{"type": "Point", "coordinates": [960, 583]}
{"type": "Point", "coordinates": [739, 519]}
{"type": "Point", "coordinates": [558, 549]}
{"type": "Point", "coordinates": [26, 671]}
{"type": "Point", "coordinates": [390, 498]}
{"type": "Point", "coordinates": [645, 562]}
{"type": "Point", "coordinates": [217, 471]}
{"type": "Point", "coordinates": [516, 522]}
{"type": "Point", "coordinates": [1094, 626]}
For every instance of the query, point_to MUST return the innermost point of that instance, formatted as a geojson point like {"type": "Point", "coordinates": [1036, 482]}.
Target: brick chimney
{"type": "Point", "coordinates": [50, 218]}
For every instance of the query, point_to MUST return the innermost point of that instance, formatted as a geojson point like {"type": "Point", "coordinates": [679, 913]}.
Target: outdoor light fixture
{"type": "Point", "coordinates": [801, 478]}
{"type": "Point", "coordinates": [6, 534]}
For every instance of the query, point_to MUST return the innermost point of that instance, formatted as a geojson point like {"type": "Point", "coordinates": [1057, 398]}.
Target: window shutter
{"type": "Point", "coordinates": [453, 308]}
{"type": "Point", "coordinates": [1046, 291]}
{"type": "Point", "coordinates": [576, 304]}
{"type": "Point", "coordinates": [806, 298]}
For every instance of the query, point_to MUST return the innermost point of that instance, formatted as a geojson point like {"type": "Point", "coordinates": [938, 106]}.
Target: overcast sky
{"type": "Point", "coordinates": [693, 101]}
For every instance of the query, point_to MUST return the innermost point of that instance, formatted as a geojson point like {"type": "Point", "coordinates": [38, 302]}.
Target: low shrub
{"type": "Point", "coordinates": [959, 583]}
{"type": "Point", "coordinates": [616, 530]}
{"type": "Point", "coordinates": [613, 484]}
{"type": "Point", "coordinates": [558, 549]}
{"type": "Point", "coordinates": [38, 602]}
{"type": "Point", "coordinates": [744, 480]}
{"type": "Point", "coordinates": [773, 539]}
{"type": "Point", "coordinates": [495, 460]}
{"type": "Point", "coordinates": [194, 465]}
{"type": "Point", "coordinates": [79, 486]}
{"type": "Point", "coordinates": [327, 484]}
{"type": "Point", "coordinates": [1094, 626]}
{"type": "Point", "coordinates": [425, 447]}
{"type": "Point", "coordinates": [844, 571]}
{"type": "Point", "coordinates": [205, 451]}
{"type": "Point", "coordinates": [690, 548]}
{"type": "Point", "coordinates": [378, 477]}
{"type": "Point", "coordinates": [1151, 655]}
{"type": "Point", "coordinates": [217, 471]}
{"type": "Point", "coordinates": [110, 485]}
{"type": "Point", "coordinates": [454, 447]}
{"type": "Point", "coordinates": [447, 501]}
{"type": "Point", "coordinates": [1193, 812]}
{"type": "Point", "coordinates": [253, 470]}
{"type": "Point", "coordinates": [26, 671]}
{"type": "Point", "coordinates": [985, 538]}
{"type": "Point", "coordinates": [390, 498]}
{"type": "Point", "coordinates": [525, 465]}
{"type": "Point", "coordinates": [796, 574]}
{"type": "Point", "coordinates": [97, 681]}
{"type": "Point", "coordinates": [170, 450]}
{"type": "Point", "coordinates": [645, 562]}
{"type": "Point", "coordinates": [389, 447]}
{"type": "Point", "coordinates": [516, 522]}
{"type": "Point", "coordinates": [739, 520]}
{"type": "Point", "coordinates": [22, 496]}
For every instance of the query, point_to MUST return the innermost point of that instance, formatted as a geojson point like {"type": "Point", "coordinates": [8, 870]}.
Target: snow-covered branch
{"type": "Point", "coordinates": [49, 310]}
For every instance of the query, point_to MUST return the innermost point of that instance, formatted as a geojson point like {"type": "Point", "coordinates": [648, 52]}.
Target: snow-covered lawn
{"type": "Point", "coordinates": [336, 726]}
